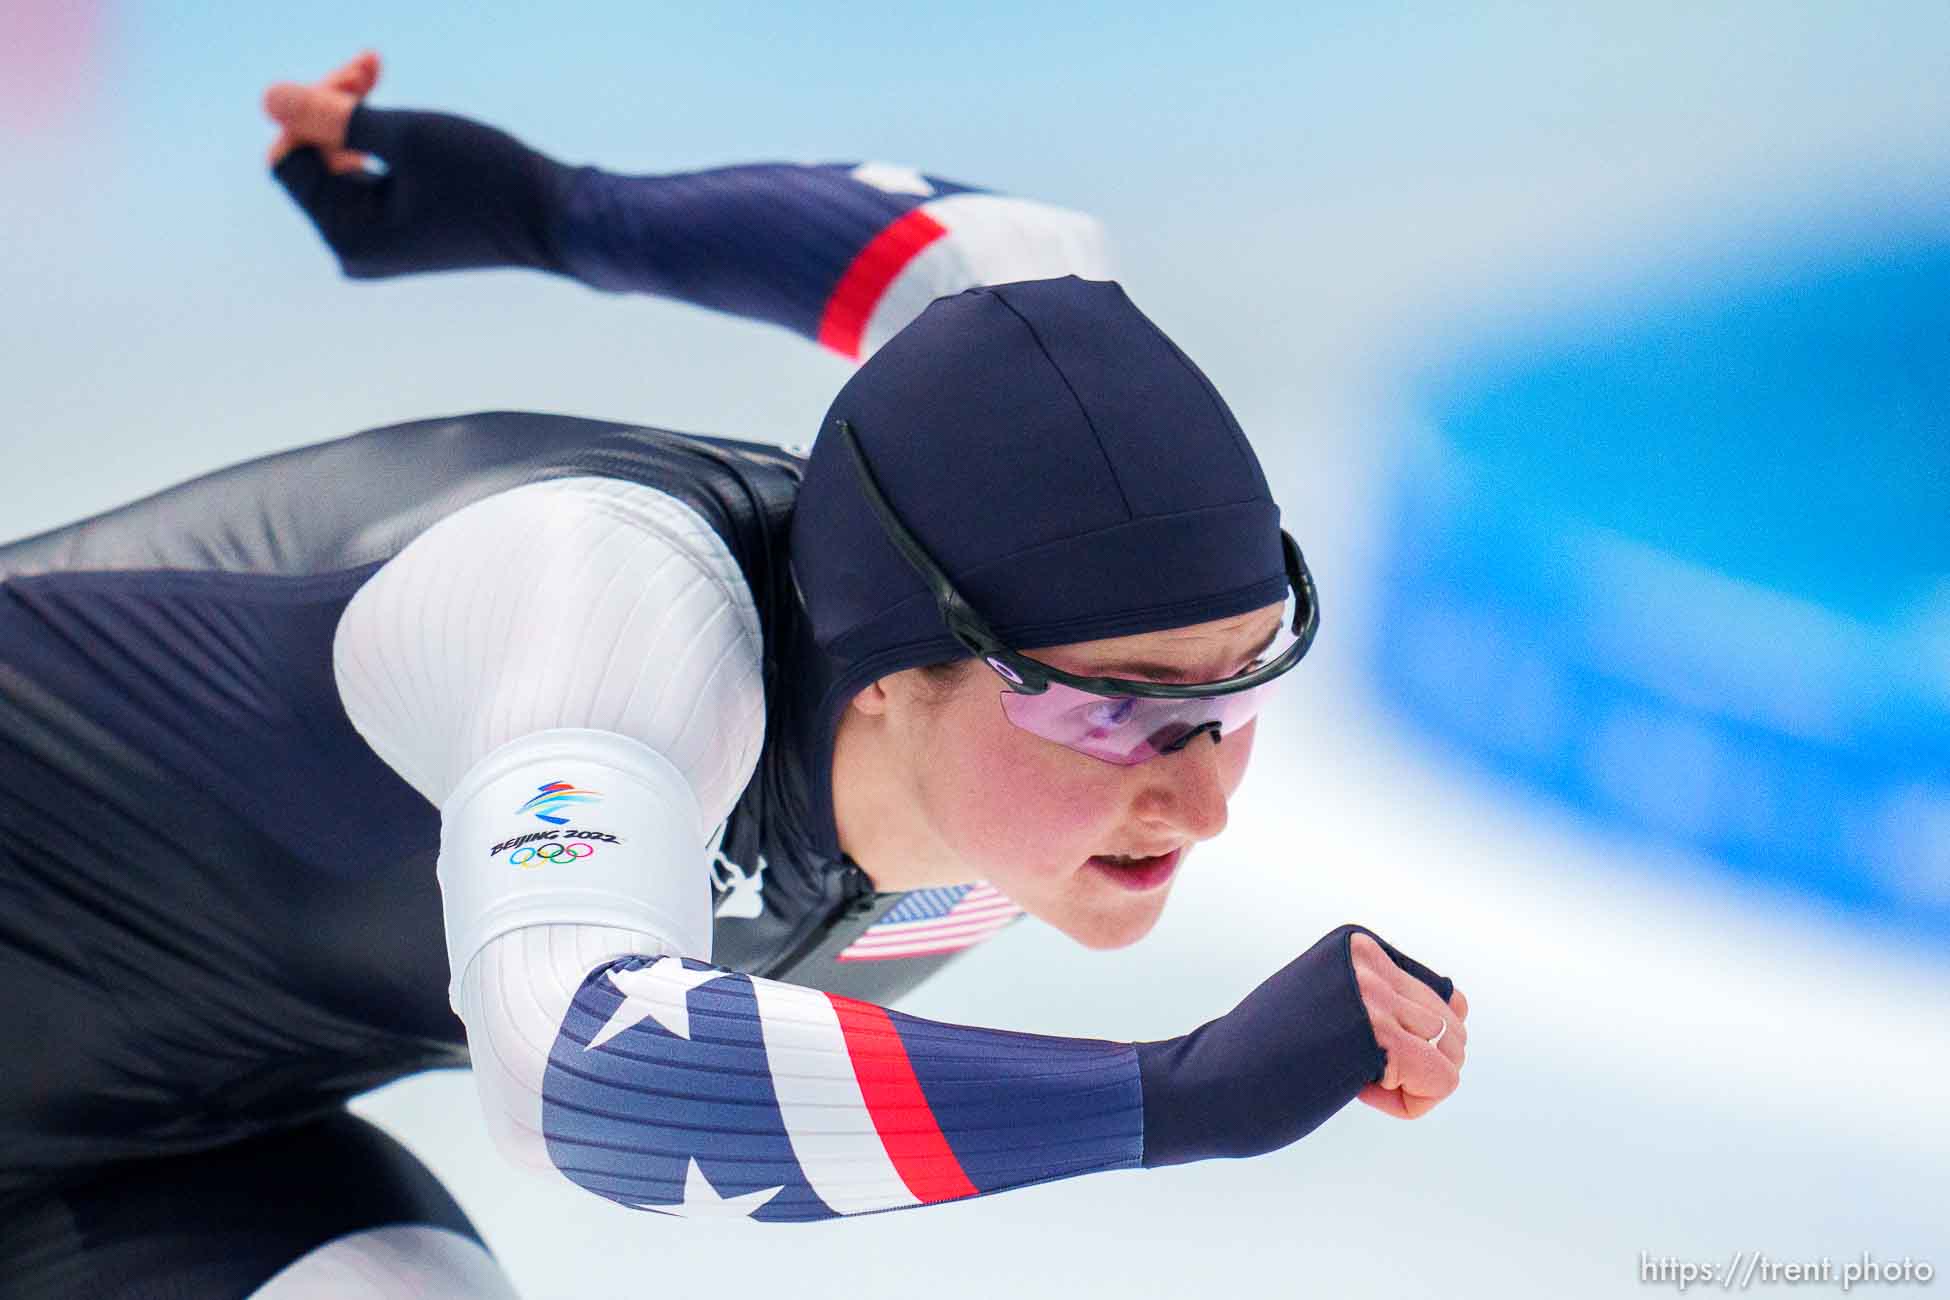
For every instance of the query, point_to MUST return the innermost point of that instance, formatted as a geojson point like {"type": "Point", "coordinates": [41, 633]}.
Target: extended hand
{"type": "Point", "coordinates": [1342, 1020]}
{"type": "Point", "coordinates": [317, 114]}
{"type": "Point", "coordinates": [1405, 1014]}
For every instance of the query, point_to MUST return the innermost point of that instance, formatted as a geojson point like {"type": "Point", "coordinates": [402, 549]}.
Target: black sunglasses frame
{"type": "Point", "coordinates": [1027, 676]}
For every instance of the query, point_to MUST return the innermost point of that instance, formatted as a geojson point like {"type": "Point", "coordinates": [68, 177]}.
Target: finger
{"type": "Point", "coordinates": [1391, 1074]}
{"type": "Point", "coordinates": [1431, 1078]}
{"type": "Point", "coordinates": [342, 161]}
{"type": "Point", "coordinates": [1366, 951]}
{"type": "Point", "coordinates": [1414, 1107]}
{"type": "Point", "coordinates": [1454, 1044]}
{"type": "Point", "coordinates": [1419, 1020]}
{"type": "Point", "coordinates": [1459, 1004]}
{"type": "Point", "coordinates": [1414, 989]}
{"type": "Point", "coordinates": [314, 116]}
{"type": "Point", "coordinates": [278, 100]}
{"type": "Point", "coordinates": [1385, 1100]}
{"type": "Point", "coordinates": [1453, 1032]}
{"type": "Point", "coordinates": [281, 146]}
{"type": "Point", "coordinates": [1403, 1025]}
{"type": "Point", "coordinates": [1445, 1036]}
{"type": "Point", "coordinates": [356, 76]}
{"type": "Point", "coordinates": [1406, 1015]}
{"type": "Point", "coordinates": [1397, 1104]}
{"type": "Point", "coordinates": [1423, 1070]}
{"type": "Point", "coordinates": [1372, 958]}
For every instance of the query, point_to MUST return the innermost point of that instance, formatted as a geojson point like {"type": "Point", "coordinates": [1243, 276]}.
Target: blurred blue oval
{"type": "Point", "coordinates": [1689, 571]}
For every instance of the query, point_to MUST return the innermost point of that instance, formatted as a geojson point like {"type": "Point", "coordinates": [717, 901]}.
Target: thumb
{"type": "Point", "coordinates": [363, 74]}
{"type": "Point", "coordinates": [310, 114]}
{"type": "Point", "coordinates": [356, 76]}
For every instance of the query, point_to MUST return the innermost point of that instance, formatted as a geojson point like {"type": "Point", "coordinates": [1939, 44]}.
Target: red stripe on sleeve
{"type": "Point", "coordinates": [858, 292]}
{"type": "Point", "coordinates": [900, 1110]}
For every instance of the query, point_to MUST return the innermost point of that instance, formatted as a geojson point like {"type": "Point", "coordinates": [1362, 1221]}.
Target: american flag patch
{"type": "Point", "coordinates": [932, 921]}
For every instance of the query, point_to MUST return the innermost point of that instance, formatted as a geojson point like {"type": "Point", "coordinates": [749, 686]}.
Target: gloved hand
{"type": "Point", "coordinates": [454, 193]}
{"type": "Point", "coordinates": [316, 114]}
{"type": "Point", "coordinates": [1350, 1017]}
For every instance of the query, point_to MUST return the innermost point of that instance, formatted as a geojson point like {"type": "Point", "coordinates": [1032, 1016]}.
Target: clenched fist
{"type": "Point", "coordinates": [1350, 1017]}
{"type": "Point", "coordinates": [1406, 1014]}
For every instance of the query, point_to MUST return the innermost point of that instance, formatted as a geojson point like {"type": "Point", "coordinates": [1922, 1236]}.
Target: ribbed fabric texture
{"type": "Point", "coordinates": [579, 602]}
{"type": "Point", "coordinates": [770, 241]}
{"type": "Point", "coordinates": [989, 239]}
{"type": "Point", "coordinates": [689, 1089]}
{"type": "Point", "coordinates": [600, 604]}
{"type": "Point", "coordinates": [513, 999]}
{"type": "Point", "coordinates": [826, 250]}
{"type": "Point", "coordinates": [582, 602]}
{"type": "Point", "coordinates": [785, 243]}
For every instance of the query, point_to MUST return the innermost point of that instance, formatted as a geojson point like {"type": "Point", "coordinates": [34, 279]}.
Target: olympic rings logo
{"type": "Point", "coordinates": [565, 852]}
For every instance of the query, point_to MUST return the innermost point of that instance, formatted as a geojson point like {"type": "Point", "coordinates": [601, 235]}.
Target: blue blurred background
{"type": "Point", "coordinates": [1598, 359]}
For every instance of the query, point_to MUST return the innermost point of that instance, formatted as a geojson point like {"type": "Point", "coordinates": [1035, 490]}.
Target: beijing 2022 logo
{"type": "Point", "coordinates": [537, 848]}
{"type": "Point", "coordinates": [554, 796]}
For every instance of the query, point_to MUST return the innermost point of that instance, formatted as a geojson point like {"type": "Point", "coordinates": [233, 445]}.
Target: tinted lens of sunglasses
{"type": "Point", "coordinates": [1127, 729]}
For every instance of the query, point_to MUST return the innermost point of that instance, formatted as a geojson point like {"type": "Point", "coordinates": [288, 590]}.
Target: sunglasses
{"type": "Point", "coordinates": [1116, 719]}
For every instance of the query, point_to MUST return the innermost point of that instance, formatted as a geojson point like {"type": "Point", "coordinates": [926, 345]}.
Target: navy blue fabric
{"type": "Point", "coordinates": [1072, 471]}
{"type": "Point", "coordinates": [457, 194]}
{"type": "Point", "coordinates": [1024, 1108]}
{"type": "Point", "coordinates": [1274, 1068]}
{"type": "Point", "coordinates": [713, 237]}
{"type": "Point", "coordinates": [182, 795]}
{"type": "Point", "coordinates": [226, 680]}
{"type": "Point", "coordinates": [216, 1225]}
{"type": "Point", "coordinates": [626, 1119]}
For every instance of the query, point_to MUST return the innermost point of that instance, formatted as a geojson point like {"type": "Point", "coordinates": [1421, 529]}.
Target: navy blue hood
{"type": "Point", "coordinates": [1063, 461]}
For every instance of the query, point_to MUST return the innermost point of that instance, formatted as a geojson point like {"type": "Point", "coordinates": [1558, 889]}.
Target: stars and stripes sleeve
{"type": "Point", "coordinates": [579, 764]}
{"type": "Point", "coordinates": [843, 254]}
{"type": "Point", "coordinates": [684, 1088]}
{"type": "Point", "coordinates": [677, 1086]}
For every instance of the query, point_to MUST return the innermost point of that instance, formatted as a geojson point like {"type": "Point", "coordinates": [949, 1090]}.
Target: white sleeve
{"type": "Point", "coordinates": [580, 655]}
{"type": "Point", "coordinates": [989, 239]}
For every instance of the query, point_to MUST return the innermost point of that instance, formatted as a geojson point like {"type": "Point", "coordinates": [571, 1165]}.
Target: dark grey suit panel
{"type": "Point", "coordinates": [335, 505]}
{"type": "Point", "coordinates": [218, 909]}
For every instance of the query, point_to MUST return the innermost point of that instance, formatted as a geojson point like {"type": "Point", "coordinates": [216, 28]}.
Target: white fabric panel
{"type": "Point", "coordinates": [513, 998]}
{"type": "Point", "coordinates": [825, 1113]}
{"type": "Point", "coordinates": [991, 239]}
{"type": "Point", "coordinates": [660, 991]}
{"type": "Point", "coordinates": [618, 843]}
{"type": "Point", "coordinates": [402, 1261]}
{"type": "Point", "coordinates": [580, 602]}
{"type": "Point", "coordinates": [579, 621]}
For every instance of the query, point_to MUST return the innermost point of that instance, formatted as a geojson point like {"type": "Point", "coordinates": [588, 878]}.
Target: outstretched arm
{"type": "Point", "coordinates": [678, 1086]}
{"type": "Point", "coordinates": [843, 254]}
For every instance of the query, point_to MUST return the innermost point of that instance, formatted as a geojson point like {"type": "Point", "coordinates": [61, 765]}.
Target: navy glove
{"type": "Point", "coordinates": [1275, 1067]}
{"type": "Point", "coordinates": [455, 195]}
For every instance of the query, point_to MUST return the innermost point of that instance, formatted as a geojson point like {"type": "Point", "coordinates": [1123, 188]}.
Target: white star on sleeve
{"type": "Point", "coordinates": [893, 178]}
{"type": "Point", "coordinates": [660, 992]}
{"type": "Point", "coordinates": [701, 1200]}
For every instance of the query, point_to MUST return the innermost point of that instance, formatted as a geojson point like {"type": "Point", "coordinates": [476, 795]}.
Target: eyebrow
{"type": "Point", "coordinates": [1168, 672]}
